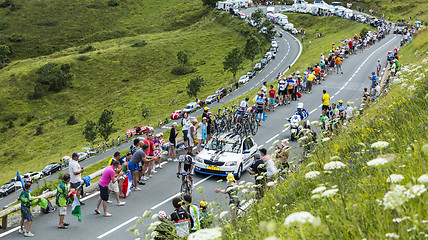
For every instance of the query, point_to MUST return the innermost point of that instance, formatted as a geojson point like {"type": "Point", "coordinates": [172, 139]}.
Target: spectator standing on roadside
{"type": "Point", "coordinates": [325, 100]}
{"type": "Point", "coordinates": [173, 141]}
{"type": "Point", "coordinates": [107, 177]}
{"type": "Point", "coordinates": [158, 150]}
{"type": "Point", "coordinates": [272, 93]}
{"type": "Point", "coordinates": [26, 214]}
{"type": "Point", "coordinates": [62, 193]}
{"type": "Point", "coordinates": [114, 186]}
{"type": "Point", "coordinates": [185, 123]}
{"type": "Point", "coordinates": [338, 64]}
{"type": "Point", "coordinates": [191, 136]}
{"type": "Point", "coordinates": [75, 172]}
{"type": "Point", "coordinates": [232, 191]}
{"type": "Point", "coordinates": [139, 157]}
{"type": "Point", "coordinates": [310, 80]}
{"type": "Point", "coordinates": [207, 115]}
{"type": "Point", "coordinates": [202, 133]}
{"type": "Point", "coordinates": [150, 152]}
{"type": "Point", "coordinates": [257, 169]}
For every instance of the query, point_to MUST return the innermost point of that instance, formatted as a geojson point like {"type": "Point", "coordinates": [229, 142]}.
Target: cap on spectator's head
{"type": "Point", "coordinates": [203, 203]}
{"type": "Point", "coordinates": [257, 156]}
{"type": "Point", "coordinates": [158, 135]}
{"type": "Point", "coordinates": [206, 108]}
{"type": "Point", "coordinates": [162, 215]}
{"type": "Point", "coordinates": [161, 134]}
{"type": "Point", "coordinates": [75, 155]}
{"type": "Point", "coordinates": [194, 120]}
{"type": "Point", "coordinates": [174, 124]}
{"type": "Point", "coordinates": [230, 177]}
{"type": "Point", "coordinates": [204, 118]}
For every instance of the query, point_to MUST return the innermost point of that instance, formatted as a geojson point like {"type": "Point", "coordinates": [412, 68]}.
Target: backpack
{"type": "Point", "coordinates": [49, 208]}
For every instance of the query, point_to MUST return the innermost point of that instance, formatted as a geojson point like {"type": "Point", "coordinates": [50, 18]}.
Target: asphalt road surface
{"type": "Point", "coordinates": [159, 191]}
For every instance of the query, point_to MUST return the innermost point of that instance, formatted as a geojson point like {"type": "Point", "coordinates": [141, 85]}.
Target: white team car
{"type": "Point", "coordinates": [226, 154]}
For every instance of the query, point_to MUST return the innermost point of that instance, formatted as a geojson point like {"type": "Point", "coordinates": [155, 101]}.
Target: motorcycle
{"type": "Point", "coordinates": [296, 129]}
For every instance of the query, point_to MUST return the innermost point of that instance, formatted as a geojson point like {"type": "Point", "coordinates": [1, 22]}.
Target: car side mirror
{"type": "Point", "coordinates": [246, 151]}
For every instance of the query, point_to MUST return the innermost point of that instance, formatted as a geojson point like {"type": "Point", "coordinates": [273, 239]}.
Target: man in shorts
{"type": "Point", "coordinates": [75, 172]}
{"type": "Point", "coordinates": [26, 214]}
{"type": "Point", "coordinates": [282, 90]}
{"type": "Point", "coordinates": [272, 93]}
{"type": "Point", "coordinates": [325, 100]}
{"type": "Point", "coordinates": [62, 193]}
{"type": "Point", "coordinates": [260, 107]}
{"type": "Point", "coordinates": [133, 165]}
{"type": "Point", "coordinates": [109, 175]}
{"type": "Point", "coordinates": [338, 65]}
{"type": "Point", "coordinates": [150, 153]}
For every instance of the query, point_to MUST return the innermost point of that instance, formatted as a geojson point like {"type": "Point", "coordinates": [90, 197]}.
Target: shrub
{"type": "Point", "coordinates": [93, 5]}
{"type": "Point", "coordinates": [37, 93]}
{"type": "Point", "coordinates": [6, 3]}
{"type": "Point", "coordinates": [83, 58]}
{"type": "Point", "coordinates": [88, 48]}
{"type": "Point", "coordinates": [29, 117]}
{"type": "Point", "coordinates": [113, 3]}
{"type": "Point", "coordinates": [182, 70]}
{"type": "Point", "coordinates": [364, 31]}
{"type": "Point", "coordinates": [4, 25]}
{"type": "Point", "coordinates": [56, 78]}
{"type": "Point", "coordinates": [47, 23]}
{"type": "Point", "coordinates": [15, 6]}
{"type": "Point", "coordinates": [10, 124]}
{"type": "Point", "coordinates": [3, 129]}
{"type": "Point", "coordinates": [139, 44]}
{"type": "Point", "coordinates": [16, 37]}
{"type": "Point", "coordinates": [12, 116]}
{"type": "Point", "coordinates": [39, 129]}
{"type": "Point", "coordinates": [71, 120]}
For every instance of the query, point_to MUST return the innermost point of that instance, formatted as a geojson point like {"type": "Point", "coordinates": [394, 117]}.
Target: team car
{"type": "Point", "coordinates": [227, 153]}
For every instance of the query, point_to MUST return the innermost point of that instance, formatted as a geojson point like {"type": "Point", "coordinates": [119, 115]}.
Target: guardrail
{"type": "Point", "coordinates": [4, 213]}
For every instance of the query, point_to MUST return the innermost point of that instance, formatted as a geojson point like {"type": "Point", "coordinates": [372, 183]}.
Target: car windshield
{"type": "Point", "coordinates": [187, 107]}
{"type": "Point", "coordinates": [243, 77]}
{"type": "Point", "coordinates": [223, 145]}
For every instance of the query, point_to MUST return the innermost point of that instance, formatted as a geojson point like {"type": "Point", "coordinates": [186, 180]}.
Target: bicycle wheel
{"type": "Point", "coordinates": [254, 127]}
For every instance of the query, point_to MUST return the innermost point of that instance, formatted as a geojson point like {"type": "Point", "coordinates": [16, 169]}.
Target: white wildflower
{"type": "Point", "coordinates": [392, 235]}
{"type": "Point", "coordinates": [397, 220]}
{"type": "Point", "coordinates": [334, 165]}
{"type": "Point", "coordinates": [245, 191]}
{"type": "Point", "coordinates": [200, 189]}
{"type": "Point", "coordinates": [316, 196]}
{"type": "Point", "coordinates": [411, 229]}
{"type": "Point", "coordinates": [299, 217]}
{"type": "Point", "coordinates": [318, 190]}
{"type": "Point", "coordinates": [147, 214]}
{"type": "Point", "coordinates": [249, 184]}
{"type": "Point", "coordinates": [154, 234]}
{"type": "Point", "coordinates": [314, 122]}
{"type": "Point", "coordinates": [223, 214]}
{"type": "Point", "coordinates": [312, 174]}
{"type": "Point", "coordinates": [395, 178]}
{"type": "Point", "coordinates": [380, 144]}
{"type": "Point", "coordinates": [311, 164]}
{"type": "Point", "coordinates": [271, 184]}
{"type": "Point", "coordinates": [154, 217]}
{"type": "Point", "coordinates": [335, 158]}
{"type": "Point", "coordinates": [423, 178]}
{"type": "Point", "coordinates": [395, 198]}
{"type": "Point", "coordinates": [377, 162]}
{"type": "Point", "coordinates": [325, 139]}
{"type": "Point", "coordinates": [272, 238]}
{"type": "Point", "coordinates": [206, 234]}
{"type": "Point", "coordinates": [411, 88]}
{"type": "Point", "coordinates": [415, 191]}
{"type": "Point", "coordinates": [329, 193]}
{"type": "Point", "coordinates": [425, 148]}
{"type": "Point", "coordinates": [275, 142]}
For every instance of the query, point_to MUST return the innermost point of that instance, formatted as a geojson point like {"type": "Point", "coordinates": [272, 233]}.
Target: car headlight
{"type": "Point", "coordinates": [198, 159]}
{"type": "Point", "coordinates": [231, 163]}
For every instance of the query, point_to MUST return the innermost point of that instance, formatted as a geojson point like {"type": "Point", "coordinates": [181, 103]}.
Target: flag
{"type": "Point", "coordinates": [19, 182]}
{"type": "Point", "coordinates": [75, 208]}
{"type": "Point", "coordinates": [127, 184]}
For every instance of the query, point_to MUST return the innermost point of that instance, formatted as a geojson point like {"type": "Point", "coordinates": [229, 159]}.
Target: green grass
{"type": "Point", "coordinates": [50, 26]}
{"type": "Point", "coordinates": [354, 212]}
{"type": "Point", "coordinates": [118, 77]}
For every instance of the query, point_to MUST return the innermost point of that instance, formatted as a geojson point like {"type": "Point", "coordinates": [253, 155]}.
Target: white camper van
{"type": "Point", "coordinates": [225, 6]}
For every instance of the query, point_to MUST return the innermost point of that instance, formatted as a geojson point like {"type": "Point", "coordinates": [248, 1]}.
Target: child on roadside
{"type": "Point", "coordinates": [206, 216]}
{"type": "Point", "coordinates": [25, 210]}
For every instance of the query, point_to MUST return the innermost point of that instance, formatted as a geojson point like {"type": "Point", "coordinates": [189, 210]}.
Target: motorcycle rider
{"type": "Point", "coordinates": [303, 115]}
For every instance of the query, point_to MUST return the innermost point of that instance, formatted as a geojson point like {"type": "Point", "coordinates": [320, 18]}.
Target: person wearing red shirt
{"type": "Point", "coordinates": [272, 93]}
{"type": "Point", "coordinates": [150, 152]}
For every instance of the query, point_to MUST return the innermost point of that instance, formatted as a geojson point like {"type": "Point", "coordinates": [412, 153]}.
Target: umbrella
{"type": "Point", "coordinates": [66, 158]}
{"type": "Point", "coordinates": [86, 148]}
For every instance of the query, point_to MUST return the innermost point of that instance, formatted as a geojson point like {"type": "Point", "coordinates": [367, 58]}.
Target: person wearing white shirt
{"type": "Point", "coordinates": [270, 164]}
{"type": "Point", "coordinates": [75, 172]}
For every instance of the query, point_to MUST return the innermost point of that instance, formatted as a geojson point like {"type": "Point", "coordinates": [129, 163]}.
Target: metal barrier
{"type": "Point", "coordinates": [4, 213]}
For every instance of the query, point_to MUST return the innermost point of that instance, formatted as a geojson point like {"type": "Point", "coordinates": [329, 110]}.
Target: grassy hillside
{"type": "Point", "coordinates": [117, 76]}
{"type": "Point", "coordinates": [41, 27]}
{"type": "Point", "coordinates": [359, 200]}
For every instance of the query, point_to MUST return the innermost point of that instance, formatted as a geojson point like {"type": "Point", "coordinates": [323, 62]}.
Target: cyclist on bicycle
{"type": "Point", "coordinates": [243, 106]}
{"type": "Point", "coordinates": [186, 166]}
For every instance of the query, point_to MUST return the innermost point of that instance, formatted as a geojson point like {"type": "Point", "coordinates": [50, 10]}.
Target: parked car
{"type": "Point", "coordinates": [177, 114]}
{"type": "Point", "coordinates": [83, 156]}
{"type": "Point", "coordinates": [6, 189]}
{"type": "Point", "coordinates": [28, 177]}
{"type": "Point", "coordinates": [226, 154]}
{"type": "Point", "coordinates": [210, 99]}
{"type": "Point", "coordinates": [251, 74]}
{"type": "Point", "coordinates": [191, 107]}
{"type": "Point", "coordinates": [258, 66]}
{"type": "Point", "coordinates": [243, 79]}
{"type": "Point", "coordinates": [273, 50]}
{"type": "Point", "coordinates": [274, 44]}
{"type": "Point", "coordinates": [264, 62]}
{"type": "Point", "coordinates": [268, 56]}
{"type": "Point", "coordinates": [222, 91]}
{"type": "Point", "coordinates": [280, 34]}
{"type": "Point", "coordinates": [51, 168]}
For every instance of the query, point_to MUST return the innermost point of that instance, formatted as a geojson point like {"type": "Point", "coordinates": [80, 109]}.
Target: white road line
{"type": "Point", "coordinates": [114, 229]}
{"type": "Point", "coordinates": [342, 87]}
{"type": "Point", "coordinates": [312, 111]}
{"type": "Point", "coordinates": [90, 196]}
{"type": "Point", "coordinates": [260, 146]}
{"type": "Point", "coordinates": [251, 88]}
{"type": "Point", "coordinates": [272, 138]}
{"type": "Point", "coordinates": [10, 231]}
{"type": "Point", "coordinates": [285, 129]}
{"type": "Point", "coordinates": [170, 198]}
